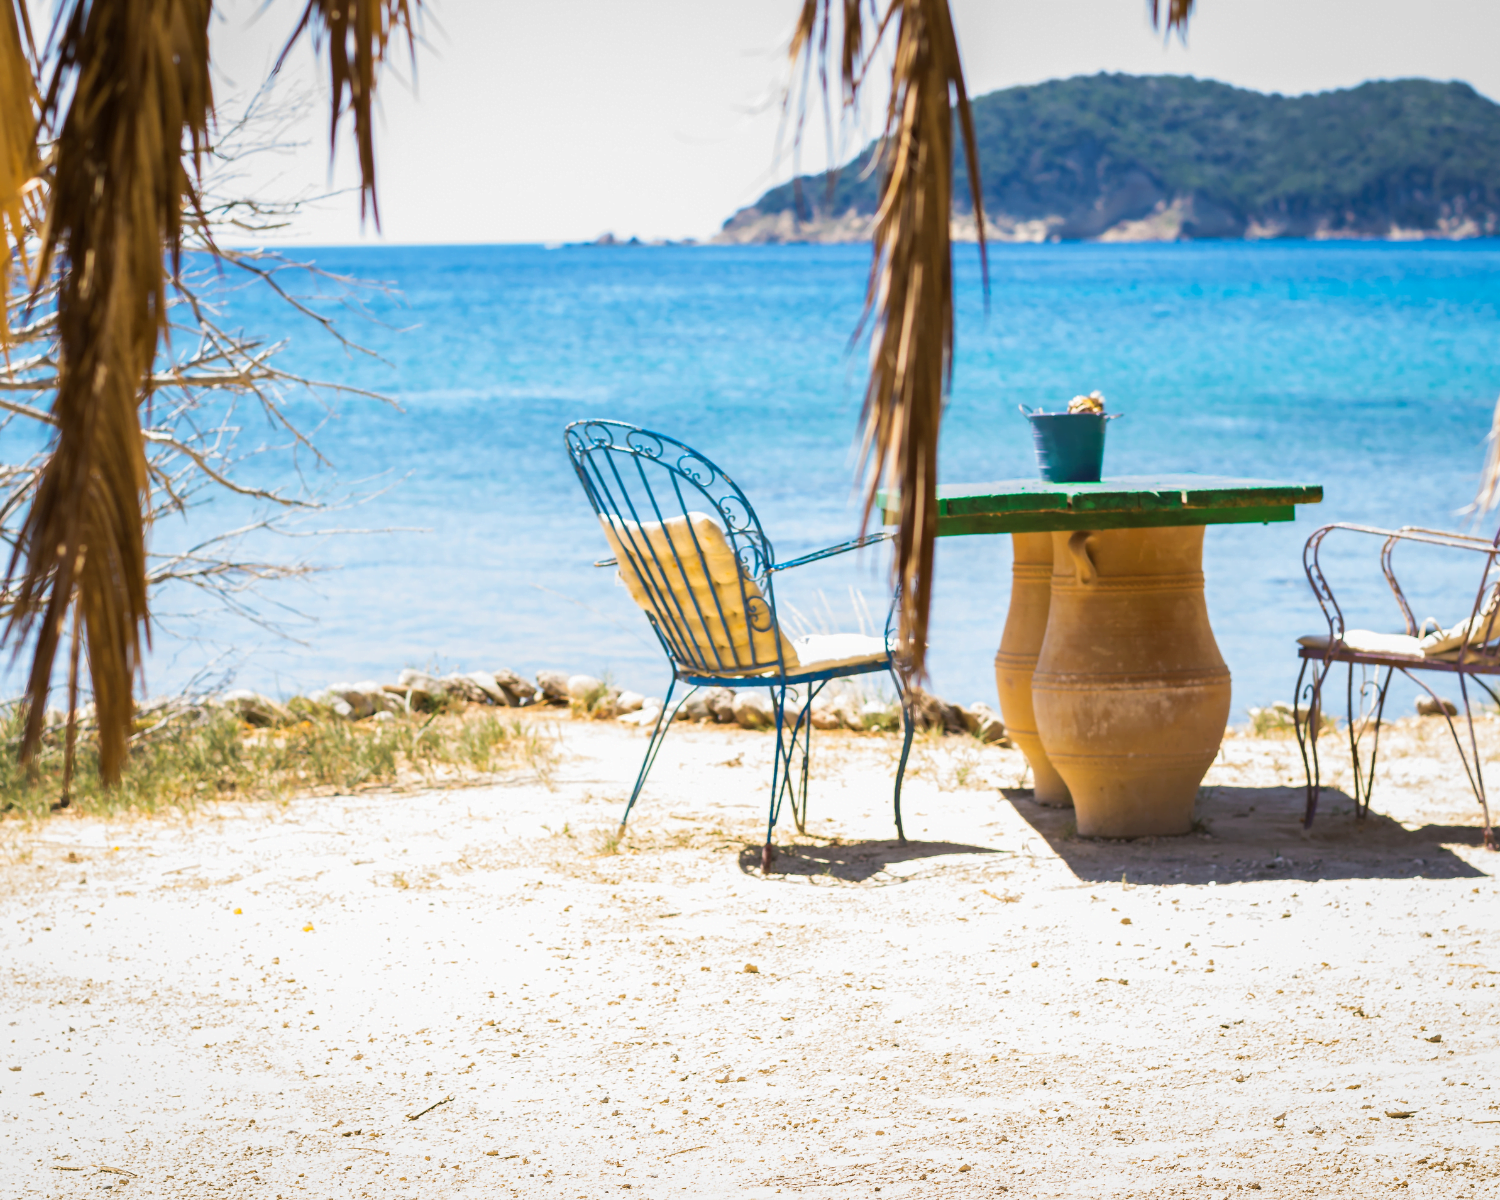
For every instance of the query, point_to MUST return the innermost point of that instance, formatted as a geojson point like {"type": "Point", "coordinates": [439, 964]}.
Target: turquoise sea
{"type": "Point", "coordinates": [1369, 368]}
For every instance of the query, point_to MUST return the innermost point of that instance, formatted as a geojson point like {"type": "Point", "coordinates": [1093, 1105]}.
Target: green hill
{"type": "Point", "coordinates": [1124, 157]}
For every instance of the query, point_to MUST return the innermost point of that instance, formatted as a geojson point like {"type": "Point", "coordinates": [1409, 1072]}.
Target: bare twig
{"type": "Point", "coordinates": [429, 1108]}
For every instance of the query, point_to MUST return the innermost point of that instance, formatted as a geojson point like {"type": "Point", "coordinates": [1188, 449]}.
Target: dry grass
{"type": "Point", "coordinates": [199, 754]}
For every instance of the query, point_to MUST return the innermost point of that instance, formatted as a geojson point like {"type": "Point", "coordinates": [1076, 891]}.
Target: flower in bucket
{"type": "Point", "coordinates": [1092, 403]}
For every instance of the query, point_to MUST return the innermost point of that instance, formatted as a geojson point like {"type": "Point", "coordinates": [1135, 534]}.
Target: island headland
{"type": "Point", "coordinates": [1131, 158]}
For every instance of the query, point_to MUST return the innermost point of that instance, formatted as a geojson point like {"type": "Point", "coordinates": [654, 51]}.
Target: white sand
{"type": "Point", "coordinates": [988, 1010]}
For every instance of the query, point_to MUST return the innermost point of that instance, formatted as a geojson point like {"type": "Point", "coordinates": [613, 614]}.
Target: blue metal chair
{"type": "Point", "coordinates": [705, 580]}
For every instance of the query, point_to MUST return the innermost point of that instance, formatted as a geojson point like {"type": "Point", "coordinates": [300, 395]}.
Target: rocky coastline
{"type": "Point", "coordinates": [840, 705]}
{"type": "Point", "coordinates": [1174, 219]}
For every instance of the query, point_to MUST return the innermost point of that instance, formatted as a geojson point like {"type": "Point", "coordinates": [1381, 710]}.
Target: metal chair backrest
{"type": "Point", "coordinates": [689, 547]}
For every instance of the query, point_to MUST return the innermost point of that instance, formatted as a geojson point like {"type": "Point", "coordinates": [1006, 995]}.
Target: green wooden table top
{"type": "Point", "coordinates": [1125, 502]}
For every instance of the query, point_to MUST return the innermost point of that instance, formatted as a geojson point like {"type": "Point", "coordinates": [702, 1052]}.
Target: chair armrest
{"type": "Point", "coordinates": [841, 548]}
{"type": "Point", "coordinates": [1393, 537]}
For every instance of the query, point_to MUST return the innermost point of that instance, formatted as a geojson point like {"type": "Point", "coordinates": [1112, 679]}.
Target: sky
{"type": "Point", "coordinates": [561, 121]}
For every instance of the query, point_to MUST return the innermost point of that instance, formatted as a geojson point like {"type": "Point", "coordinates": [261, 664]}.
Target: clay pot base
{"type": "Point", "coordinates": [1047, 787]}
{"type": "Point", "coordinates": [1130, 693]}
{"type": "Point", "coordinates": [1155, 798]}
{"type": "Point", "coordinates": [1025, 627]}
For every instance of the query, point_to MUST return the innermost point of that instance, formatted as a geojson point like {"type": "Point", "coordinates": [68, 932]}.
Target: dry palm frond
{"type": "Point", "coordinates": [1178, 12]}
{"type": "Point", "coordinates": [1488, 496]}
{"type": "Point", "coordinates": [909, 301]}
{"type": "Point", "coordinates": [18, 128]}
{"type": "Point", "coordinates": [358, 33]}
{"type": "Point", "coordinates": [135, 78]}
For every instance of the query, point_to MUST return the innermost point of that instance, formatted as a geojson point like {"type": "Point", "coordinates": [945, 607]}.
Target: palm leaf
{"type": "Point", "coordinates": [358, 34]}
{"type": "Point", "coordinates": [18, 155]}
{"type": "Point", "coordinates": [909, 298]}
{"type": "Point", "coordinates": [135, 77]}
{"type": "Point", "coordinates": [1178, 12]}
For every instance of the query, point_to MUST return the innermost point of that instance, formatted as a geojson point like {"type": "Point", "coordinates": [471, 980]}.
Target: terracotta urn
{"type": "Point", "coordinates": [1025, 625]}
{"type": "Point", "coordinates": [1130, 692]}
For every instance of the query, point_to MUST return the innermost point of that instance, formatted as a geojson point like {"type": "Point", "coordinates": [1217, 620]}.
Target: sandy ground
{"type": "Point", "coordinates": [257, 1001]}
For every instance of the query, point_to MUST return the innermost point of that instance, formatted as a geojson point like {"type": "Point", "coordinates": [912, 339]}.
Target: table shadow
{"type": "Point", "coordinates": [1246, 833]}
{"type": "Point", "coordinates": [851, 862]}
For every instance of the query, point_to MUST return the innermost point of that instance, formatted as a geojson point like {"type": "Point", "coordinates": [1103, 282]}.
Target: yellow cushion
{"type": "Point", "coordinates": [701, 612]}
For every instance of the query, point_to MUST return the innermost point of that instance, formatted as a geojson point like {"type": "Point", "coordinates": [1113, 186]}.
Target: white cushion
{"type": "Point", "coordinates": [1363, 641]}
{"type": "Point", "coordinates": [825, 651]}
{"type": "Point", "coordinates": [1476, 631]}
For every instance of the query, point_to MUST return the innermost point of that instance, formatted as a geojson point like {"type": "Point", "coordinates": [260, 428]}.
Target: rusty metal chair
{"type": "Point", "coordinates": [691, 552]}
{"type": "Point", "coordinates": [1469, 650]}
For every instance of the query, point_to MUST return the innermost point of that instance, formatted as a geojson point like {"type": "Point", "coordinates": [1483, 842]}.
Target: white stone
{"type": "Point", "coordinates": [552, 686]}
{"type": "Point", "coordinates": [826, 715]}
{"type": "Point", "coordinates": [984, 723]}
{"type": "Point", "coordinates": [466, 688]}
{"type": "Point", "coordinates": [752, 708]}
{"type": "Point", "coordinates": [877, 714]}
{"type": "Point", "coordinates": [579, 686]}
{"type": "Point", "coordinates": [251, 707]}
{"type": "Point", "coordinates": [630, 702]}
{"type": "Point", "coordinates": [486, 682]}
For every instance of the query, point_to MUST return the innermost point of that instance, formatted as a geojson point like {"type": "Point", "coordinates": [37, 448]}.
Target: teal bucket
{"type": "Point", "coordinates": [1069, 446]}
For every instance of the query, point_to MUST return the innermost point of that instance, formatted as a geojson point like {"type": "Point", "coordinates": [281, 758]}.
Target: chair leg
{"type": "Point", "coordinates": [664, 721]}
{"type": "Point", "coordinates": [908, 724]}
{"type": "Point", "coordinates": [1478, 779]}
{"type": "Point", "coordinates": [779, 773]}
{"type": "Point", "coordinates": [804, 727]}
{"type": "Point", "coordinates": [1364, 779]}
{"type": "Point", "coordinates": [1307, 728]}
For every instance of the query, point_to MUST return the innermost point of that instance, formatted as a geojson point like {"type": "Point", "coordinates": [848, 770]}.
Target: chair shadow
{"type": "Point", "coordinates": [1246, 833]}
{"type": "Point", "coordinates": [851, 862]}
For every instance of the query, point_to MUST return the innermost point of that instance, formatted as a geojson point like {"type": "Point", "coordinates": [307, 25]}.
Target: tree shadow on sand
{"type": "Point", "coordinates": [1245, 833]}
{"type": "Point", "coordinates": [851, 862]}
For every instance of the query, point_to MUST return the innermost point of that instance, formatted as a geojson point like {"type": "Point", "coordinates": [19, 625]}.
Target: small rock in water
{"type": "Point", "coordinates": [1427, 706]}
{"type": "Point", "coordinates": [752, 709]}
{"type": "Point", "coordinates": [551, 687]}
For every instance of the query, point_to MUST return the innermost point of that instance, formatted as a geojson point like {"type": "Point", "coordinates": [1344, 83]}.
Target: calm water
{"type": "Point", "coordinates": [1370, 369]}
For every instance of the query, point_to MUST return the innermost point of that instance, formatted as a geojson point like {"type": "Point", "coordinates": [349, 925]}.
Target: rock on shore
{"type": "Point", "coordinates": [841, 705]}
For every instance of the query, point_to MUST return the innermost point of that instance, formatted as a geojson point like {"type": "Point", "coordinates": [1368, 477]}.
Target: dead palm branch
{"type": "Point", "coordinates": [129, 109]}
{"type": "Point", "coordinates": [909, 297]}
{"type": "Point", "coordinates": [18, 150]}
